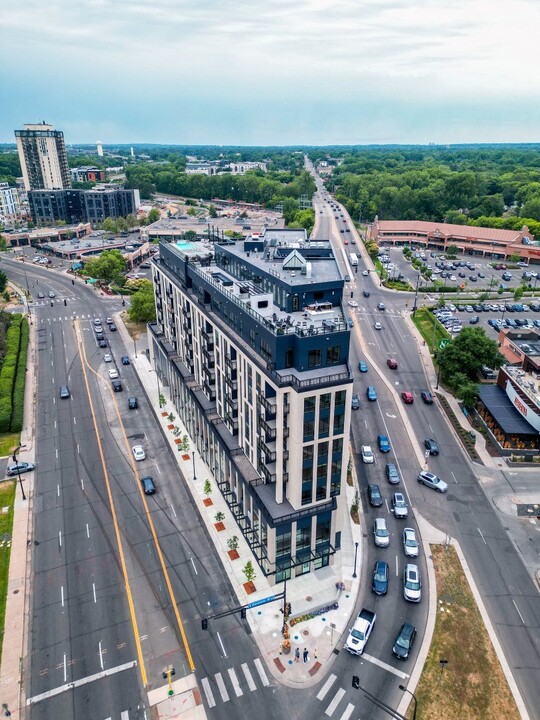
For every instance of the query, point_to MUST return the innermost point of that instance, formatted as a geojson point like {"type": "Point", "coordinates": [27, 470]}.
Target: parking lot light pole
{"type": "Point", "coordinates": [416, 295]}
{"type": "Point", "coordinates": [355, 554]}
{"type": "Point", "coordinates": [18, 471]}
{"type": "Point", "coordinates": [402, 687]}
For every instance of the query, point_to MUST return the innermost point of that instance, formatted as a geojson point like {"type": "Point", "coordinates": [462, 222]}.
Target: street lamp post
{"type": "Point", "coordinates": [355, 554]}
{"type": "Point", "coordinates": [18, 471]}
{"type": "Point", "coordinates": [402, 687]}
{"type": "Point", "coordinates": [416, 295]}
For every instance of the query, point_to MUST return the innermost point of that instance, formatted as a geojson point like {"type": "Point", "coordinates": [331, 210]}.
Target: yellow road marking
{"type": "Point", "coordinates": [131, 605]}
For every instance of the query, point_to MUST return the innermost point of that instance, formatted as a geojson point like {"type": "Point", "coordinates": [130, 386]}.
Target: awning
{"type": "Point", "coordinates": [505, 414]}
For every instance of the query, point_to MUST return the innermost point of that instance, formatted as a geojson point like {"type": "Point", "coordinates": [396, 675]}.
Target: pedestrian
{"type": "Point", "coordinates": [306, 655]}
{"type": "Point", "coordinates": [297, 655]}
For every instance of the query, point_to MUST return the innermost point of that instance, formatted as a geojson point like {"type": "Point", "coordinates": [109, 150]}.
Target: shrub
{"type": "Point", "coordinates": [20, 380]}
{"type": "Point", "coordinates": [5, 414]}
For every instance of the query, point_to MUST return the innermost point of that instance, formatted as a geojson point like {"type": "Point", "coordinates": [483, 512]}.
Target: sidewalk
{"type": "Point", "coordinates": [308, 593]}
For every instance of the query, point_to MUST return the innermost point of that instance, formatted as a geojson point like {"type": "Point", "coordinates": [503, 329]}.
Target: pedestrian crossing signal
{"type": "Point", "coordinates": [204, 624]}
{"type": "Point", "coordinates": [355, 682]}
{"type": "Point", "coordinates": [243, 613]}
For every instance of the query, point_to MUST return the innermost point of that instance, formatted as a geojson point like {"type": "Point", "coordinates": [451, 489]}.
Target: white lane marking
{"type": "Point", "coordinates": [335, 702]}
{"type": "Point", "coordinates": [74, 420]}
{"type": "Point", "coordinates": [82, 483]}
{"type": "Point", "coordinates": [236, 685]}
{"type": "Point", "coordinates": [58, 491]}
{"type": "Point", "coordinates": [208, 692]}
{"type": "Point", "coordinates": [397, 566]}
{"type": "Point", "coordinates": [221, 643]}
{"type": "Point", "coordinates": [173, 511]}
{"type": "Point", "coordinates": [429, 426]}
{"type": "Point", "coordinates": [384, 665]}
{"type": "Point", "coordinates": [78, 450]}
{"type": "Point", "coordinates": [258, 664]}
{"type": "Point", "coordinates": [94, 592]}
{"type": "Point", "coordinates": [194, 568]}
{"type": "Point", "coordinates": [387, 506]}
{"type": "Point", "coordinates": [87, 531]}
{"type": "Point", "coordinates": [62, 594]}
{"type": "Point", "coordinates": [517, 610]}
{"type": "Point", "coordinates": [55, 424]}
{"type": "Point", "coordinates": [326, 687]}
{"type": "Point", "coordinates": [80, 682]}
{"type": "Point", "coordinates": [452, 474]}
{"type": "Point", "coordinates": [57, 453]}
{"type": "Point", "coordinates": [157, 468]}
{"type": "Point", "coordinates": [249, 677]}
{"type": "Point", "coordinates": [348, 712]}
{"type": "Point", "coordinates": [222, 689]}
{"type": "Point", "coordinates": [100, 655]}
{"type": "Point", "coordinates": [60, 538]}
{"type": "Point", "coordinates": [124, 715]}
{"type": "Point", "coordinates": [483, 538]}
{"type": "Point", "coordinates": [65, 668]}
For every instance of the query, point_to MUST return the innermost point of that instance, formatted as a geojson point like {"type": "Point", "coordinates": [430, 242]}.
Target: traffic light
{"type": "Point", "coordinates": [204, 624]}
{"type": "Point", "coordinates": [289, 608]}
{"type": "Point", "coordinates": [243, 613]}
{"type": "Point", "coordinates": [356, 682]}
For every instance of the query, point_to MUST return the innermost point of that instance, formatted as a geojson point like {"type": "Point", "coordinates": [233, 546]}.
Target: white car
{"type": "Point", "coordinates": [412, 585]}
{"type": "Point", "coordinates": [352, 303]}
{"type": "Point", "coordinates": [380, 533]}
{"type": "Point", "coordinates": [138, 452]}
{"type": "Point", "coordinates": [410, 543]}
{"type": "Point", "coordinates": [367, 455]}
{"type": "Point", "coordinates": [107, 357]}
{"type": "Point", "coordinates": [365, 273]}
{"type": "Point", "coordinates": [433, 481]}
{"type": "Point", "coordinates": [378, 326]}
{"type": "Point", "coordinates": [113, 373]}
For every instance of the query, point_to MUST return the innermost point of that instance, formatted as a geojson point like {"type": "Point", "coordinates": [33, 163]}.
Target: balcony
{"type": "Point", "coordinates": [232, 383]}
{"type": "Point", "coordinates": [230, 363]}
{"type": "Point", "coordinates": [269, 476]}
{"type": "Point", "coordinates": [187, 325]}
{"type": "Point", "coordinates": [208, 335]}
{"type": "Point", "coordinates": [185, 310]}
{"type": "Point", "coordinates": [270, 405]}
{"type": "Point", "coordinates": [209, 355]}
{"type": "Point", "coordinates": [232, 405]}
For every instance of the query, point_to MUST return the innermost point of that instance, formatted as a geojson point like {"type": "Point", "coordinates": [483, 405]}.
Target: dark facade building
{"type": "Point", "coordinates": [252, 340]}
{"type": "Point", "coordinates": [72, 206]}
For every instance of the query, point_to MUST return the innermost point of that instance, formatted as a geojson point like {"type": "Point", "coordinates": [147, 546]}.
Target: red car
{"type": "Point", "coordinates": [392, 363]}
{"type": "Point", "coordinates": [407, 398]}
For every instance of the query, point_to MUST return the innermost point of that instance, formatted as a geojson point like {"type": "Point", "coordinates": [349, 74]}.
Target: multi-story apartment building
{"type": "Point", "coordinates": [10, 207]}
{"type": "Point", "coordinates": [43, 158]}
{"type": "Point", "coordinates": [88, 173]}
{"type": "Point", "coordinates": [242, 168]}
{"type": "Point", "coordinates": [252, 341]}
{"type": "Point", "coordinates": [72, 206]}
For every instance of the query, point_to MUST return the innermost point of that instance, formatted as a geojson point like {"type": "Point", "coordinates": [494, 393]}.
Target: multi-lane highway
{"type": "Point", "coordinates": [109, 564]}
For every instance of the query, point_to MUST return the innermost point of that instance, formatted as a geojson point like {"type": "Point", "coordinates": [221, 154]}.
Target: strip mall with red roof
{"type": "Point", "coordinates": [471, 240]}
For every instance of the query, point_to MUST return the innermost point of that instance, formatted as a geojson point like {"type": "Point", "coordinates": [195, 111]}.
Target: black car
{"type": "Point", "coordinates": [404, 641]}
{"type": "Point", "coordinates": [474, 320]}
{"type": "Point", "coordinates": [125, 360]}
{"type": "Point", "coordinates": [427, 397]}
{"type": "Point", "coordinates": [431, 445]}
{"type": "Point", "coordinates": [102, 343]}
{"type": "Point", "coordinates": [100, 336]}
{"type": "Point", "coordinates": [379, 584]}
{"type": "Point", "coordinates": [117, 386]}
{"type": "Point", "coordinates": [148, 485]}
{"type": "Point", "coordinates": [473, 278]}
{"type": "Point", "coordinates": [133, 403]}
{"type": "Point", "coordinates": [64, 392]}
{"type": "Point", "coordinates": [112, 327]}
{"type": "Point", "coordinates": [374, 495]}
{"type": "Point", "coordinates": [365, 293]}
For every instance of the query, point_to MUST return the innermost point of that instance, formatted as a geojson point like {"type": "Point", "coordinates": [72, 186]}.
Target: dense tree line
{"type": "Point", "coordinates": [10, 168]}
{"type": "Point", "coordinates": [458, 184]}
{"type": "Point", "coordinates": [254, 187]}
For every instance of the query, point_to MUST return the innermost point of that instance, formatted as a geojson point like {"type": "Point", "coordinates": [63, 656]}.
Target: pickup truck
{"type": "Point", "coordinates": [360, 632]}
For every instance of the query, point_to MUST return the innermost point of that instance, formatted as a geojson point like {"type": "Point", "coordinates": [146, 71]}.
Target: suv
{"type": "Point", "coordinates": [399, 506]}
{"type": "Point", "coordinates": [117, 386]}
{"type": "Point", "coordinates": [374, 495]}
{"type": "Point", "coordinates": [433, 481]}
{"type": "Point", "coordinates": [133, 403]}
{"type": "Point", "coordinates": [380, 533]}
{"type": "Point", "coordinates": [355, 402]}
{"type": "Point", "coordinates": [384, 443]}
{"type": "Point", "coordinates": [410, 543]}
{"type": "Point", "coordinates": [371, 393]}
{"type": "Point", "coordinates": [427, 397]}
{"type": "Point", "coordinates": [412, 585]}
{"type": "Point", "coordinates": [392, 473]}
{"type": "Point", "coordinates": [392, 363]}
{"type": "Point", "coordinates": [404, 641]}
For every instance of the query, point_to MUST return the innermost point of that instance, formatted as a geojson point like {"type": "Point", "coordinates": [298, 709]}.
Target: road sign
{"type": "Point", "coordinates": [443, 343]}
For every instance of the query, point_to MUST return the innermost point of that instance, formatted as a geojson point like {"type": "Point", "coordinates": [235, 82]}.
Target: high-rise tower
{"type": "Point", "coordinates": [42, 153]}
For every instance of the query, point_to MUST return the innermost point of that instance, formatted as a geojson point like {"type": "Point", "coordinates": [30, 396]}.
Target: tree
{"type": "Point", "coordinates": [143, 308]}
{"type": "Point", "coordinates": [191, 212]}
{"type": "Point", "coordinates": [452, 250]}
{"type": "Point", "coordinates": [518, 293]}
{"type": "Point", "coordinates": [3, 281]}
{"type": "Point", "coordinates": [131, 220]}
{"type": "Point", "coordinates": [212, 211]}
{"type": "Point", "coordinates": [153, 215]}
{"type": "Point", "coordinates": [3, 243]}
{"type": "Point", "coordinates": [466, 354]}
{"type": "Point", "coordinates": [107, 266]}
{"type": "Point", "coordinates": [248, 571]}
{"type": "Point", "coordinates": [468, 393]}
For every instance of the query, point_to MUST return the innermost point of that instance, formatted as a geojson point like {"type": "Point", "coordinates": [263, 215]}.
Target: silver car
{"type": "Point", "coordinates": [399, 506]}
{"type": "Point", "coordinates": [433, 481]}
{"type": "Point", "coordinates": [412, 585]}
{"type": "Point", "coordinates": [380, 533]}
{"type": "Point", "coordinates": [410, 543]}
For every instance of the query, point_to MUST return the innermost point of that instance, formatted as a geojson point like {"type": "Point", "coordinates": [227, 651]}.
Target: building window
{"type": "Point", "coordinates": [322, 449]}
{"type": "Point", "coordinates": [307, 489]}
{"type": "Point", "coordinates": [340, 398]}
{"type": "Point", "coordinates": [289, 358]}
{"type": "Point", "coordinates": [307, 474]}
{"type": "Point", "coordinates": [283, 540]}
{"type": "Point", "coordinates": [324, 427]}
{"type": "Point", "coordinates": [307, 454]}
{"type": "Point", "coordinates": [314, 358]}
{"type": "Point", "coordinates": [324, 402]}
{"type": "Point", "coordinates": [321, 488]}
{"type": "Point", "coordinates": [303, 534]}
{"type": "Point", "coordinates": [337, 446]}
{"type": "Point", "coordinates": [333, 355]}
{"type": "Point", "coordinates": [339, 421]}
{"type": "Point", "coordinates": [309, 430]}
{"type": "Point", "coordinates": [323, 528]}
{"type": "Point", "coordinates": [309, 404]}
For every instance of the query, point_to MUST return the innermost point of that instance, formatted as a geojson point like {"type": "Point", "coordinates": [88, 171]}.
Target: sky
{"type": "Point", "coordinates": [272, 72]}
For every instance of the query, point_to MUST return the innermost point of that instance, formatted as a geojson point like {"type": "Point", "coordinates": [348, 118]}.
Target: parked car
{"type": "Point", "coordinates": [374, 494]}
{"type": "Point", "coordinates": [431, 445]}
{"type": "Point", "coordinates": [431, 480]}
{"type": "Point", "coordinates": [384, 443]}
{"type": "Point", "coordinates": [19, 467]}
{"type": "Point", "coordinates": [404, 641]}
{"type": "Point", "coordinates": [381, 535]}
{"type": "Point", "coordinates": [367, 455]}
{"type": "Point", "coordinates": [381, 573]}
{"type": "Point", "coordinates": [410, 543]}
{"type": "Point", "coordinates": [412, 585]}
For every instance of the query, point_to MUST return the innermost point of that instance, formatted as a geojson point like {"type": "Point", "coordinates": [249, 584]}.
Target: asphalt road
{"type": "Point", "coordinates": [465, 512]}
{"type": "Point", "coordinates": [80, 621]}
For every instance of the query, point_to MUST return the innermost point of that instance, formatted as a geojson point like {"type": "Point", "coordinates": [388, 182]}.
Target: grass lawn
{"type": "Point", "coordinates": [430, 328]}
{"type": "Point", "coordinates": [134, 329]}
{"type": "Point", "coordinates": [7, 497]}
{"type": "Point", "coordinates": [472, 686]}
{"type": "Point", "coordinates": [8, 443]}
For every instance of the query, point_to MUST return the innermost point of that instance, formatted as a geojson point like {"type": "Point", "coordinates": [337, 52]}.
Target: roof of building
{"type": "Point", "coordinates": [447, 229]}
{"type": "Point", "coordinates": [499, 405]}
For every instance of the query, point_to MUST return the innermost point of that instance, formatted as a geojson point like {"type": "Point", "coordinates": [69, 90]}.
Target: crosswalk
{"type": "Point", "coordinates": [124, 715]}
{"type": "Point", "coordinates": [220, 687]}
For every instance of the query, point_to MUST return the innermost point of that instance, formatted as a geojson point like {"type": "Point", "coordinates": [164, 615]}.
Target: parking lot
{"type": "Point", "coordinates": [466, 271]}
{"type": "Point", "coordinates": [491, 316]}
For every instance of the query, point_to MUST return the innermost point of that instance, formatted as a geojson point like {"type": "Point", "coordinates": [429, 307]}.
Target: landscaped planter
{"type": "Point", "coordinates": [185, 456]}
{"type": "Point", "coordinates": [178, 441]}
{"type": "Point", "coordinates": [207, 502]}
{"type": "Point", "coordinates": [219, 526]}
{"type": "Point", "coordinates": [233, 554]}
{"type": "Point", "coordinates": [170, 427]}
{"type": "Point", "coordinates": [249, 587]}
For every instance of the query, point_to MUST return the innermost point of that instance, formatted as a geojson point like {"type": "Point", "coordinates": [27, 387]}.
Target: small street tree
{"type": "Point", "coordinates": [248, 571]}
